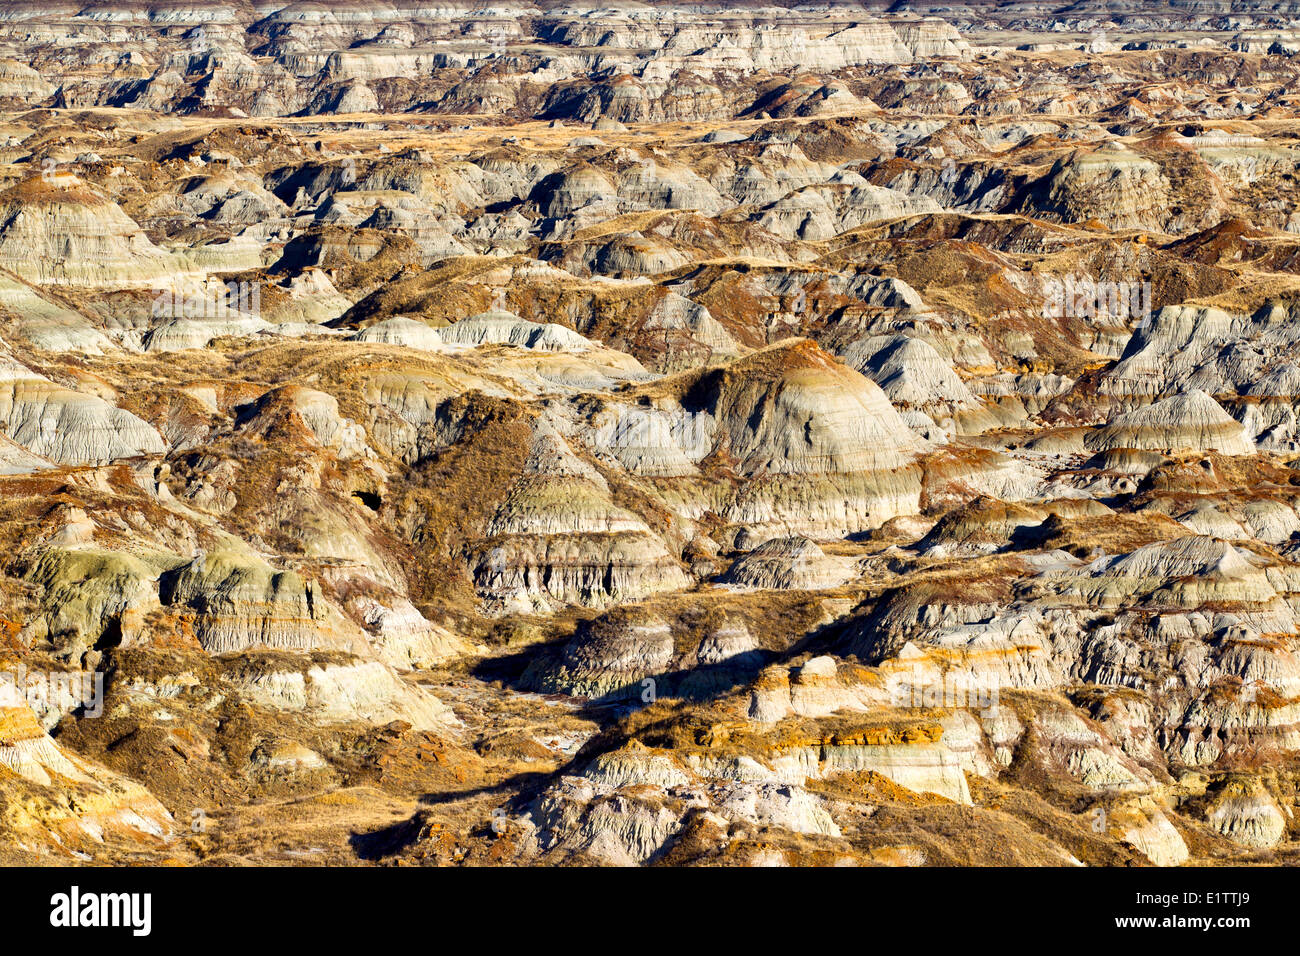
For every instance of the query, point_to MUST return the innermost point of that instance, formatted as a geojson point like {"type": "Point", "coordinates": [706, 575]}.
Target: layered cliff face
{"type": "Point", "coordinates": [677, 435]}
{"type": "Point", "coordinates": [105, 809]}
{"type": "Point", "coordinates": [54, 230]}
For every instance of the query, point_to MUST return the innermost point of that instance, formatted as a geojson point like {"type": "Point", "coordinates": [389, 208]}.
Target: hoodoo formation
{"type": "Point", "coordinates": [649, 434]}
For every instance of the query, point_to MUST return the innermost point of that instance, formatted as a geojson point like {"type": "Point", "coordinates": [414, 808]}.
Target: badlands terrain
{"type": "Point", "coordinates": [711, 434]}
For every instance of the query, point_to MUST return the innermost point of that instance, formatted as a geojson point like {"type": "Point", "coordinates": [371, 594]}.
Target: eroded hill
{"type": "Point", "coordinates": [709, 435]}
